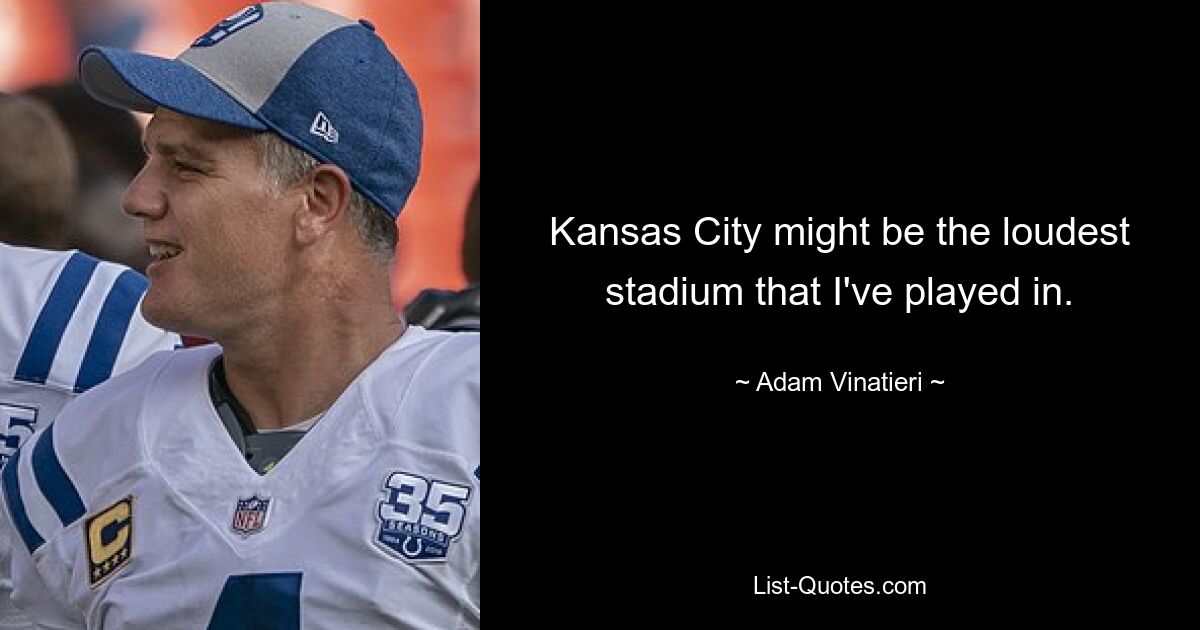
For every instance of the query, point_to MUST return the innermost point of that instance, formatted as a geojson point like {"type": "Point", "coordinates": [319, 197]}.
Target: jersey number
{"type": "Point", "coordinates": [17, 422]}
{"type": "Point", "coordinates": [258, 601]}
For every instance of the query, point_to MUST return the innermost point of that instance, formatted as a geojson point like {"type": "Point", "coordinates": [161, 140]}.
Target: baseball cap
{"type": "Point", "coordinates": [325, 83]}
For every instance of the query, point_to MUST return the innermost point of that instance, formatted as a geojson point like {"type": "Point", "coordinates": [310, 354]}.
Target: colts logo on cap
{"type": "Point", "coordinates": [230, 25]}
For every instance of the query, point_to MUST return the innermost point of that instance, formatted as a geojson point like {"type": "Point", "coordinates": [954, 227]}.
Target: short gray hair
{"type": "Point", "coordinates": [284, 164]}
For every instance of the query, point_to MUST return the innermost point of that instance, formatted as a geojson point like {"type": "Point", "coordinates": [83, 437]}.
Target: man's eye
{"type": "Point", "coordinates": [187, 168]}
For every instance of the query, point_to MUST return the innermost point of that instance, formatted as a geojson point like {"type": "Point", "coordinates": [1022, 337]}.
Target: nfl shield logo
{"type": "Point", "coordinates": [251, 515]}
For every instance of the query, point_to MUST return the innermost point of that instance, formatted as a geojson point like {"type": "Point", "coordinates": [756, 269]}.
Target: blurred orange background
{"type": "Point", "coordinates": [436, 40]}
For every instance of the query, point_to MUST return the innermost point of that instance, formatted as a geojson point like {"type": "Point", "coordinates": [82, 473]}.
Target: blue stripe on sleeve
{"type": "Point", "coordinates": [16, 505]}
{"type": "Point", "coordinates": [110, 330]}
{"type": "Point", "coordinates": [56, 486]}
{"type": "Point", "coordinates": [47, 333]}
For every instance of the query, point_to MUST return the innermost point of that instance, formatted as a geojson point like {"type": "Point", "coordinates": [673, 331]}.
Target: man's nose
{"type": "Point", "coordinates": [144, 198]}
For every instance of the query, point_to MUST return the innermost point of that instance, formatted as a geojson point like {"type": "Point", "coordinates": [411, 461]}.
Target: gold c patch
{"type": "Point", "coordinates": [109, 540]}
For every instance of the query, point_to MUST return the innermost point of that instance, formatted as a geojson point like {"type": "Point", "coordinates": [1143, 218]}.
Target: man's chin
{"type": "Point", "coordinates": [161, 315]}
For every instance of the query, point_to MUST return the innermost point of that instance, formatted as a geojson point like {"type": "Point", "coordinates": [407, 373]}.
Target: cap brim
{"type": "Point", "coordinates": [143, 83]}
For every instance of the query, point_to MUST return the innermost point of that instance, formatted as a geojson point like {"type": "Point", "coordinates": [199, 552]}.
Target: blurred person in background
{"type": "Point", "coordinates": [67, 320]}
{"type": "Point", "coordinates": [455, 311]}
{"type": "Point", "coordinates": [39, 168]}
{"type": "Point", "coordinates": [108, 144]}
{"type": "Point", "coordinates": [118, 23]}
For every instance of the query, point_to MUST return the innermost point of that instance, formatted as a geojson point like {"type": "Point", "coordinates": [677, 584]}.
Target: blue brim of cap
{"type": "Point", "coordinates": [143, 83]}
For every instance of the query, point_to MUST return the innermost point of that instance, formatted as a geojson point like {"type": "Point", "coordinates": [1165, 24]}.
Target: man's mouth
{"type": "Point", "coordinates": [163, 251]}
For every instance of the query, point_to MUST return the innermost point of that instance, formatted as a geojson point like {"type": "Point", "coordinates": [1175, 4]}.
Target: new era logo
{"type": "Point", "coordinates": [322, 128]}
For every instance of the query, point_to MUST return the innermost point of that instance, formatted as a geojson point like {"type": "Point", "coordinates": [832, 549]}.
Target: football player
{"type": "Point", "coordinates": [318, 466]}
{"type": "Point", "coordinates": [67, 321]}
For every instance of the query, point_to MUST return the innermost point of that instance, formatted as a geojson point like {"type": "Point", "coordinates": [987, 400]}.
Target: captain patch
{"type": "Point", "coordinates": [109, 540]}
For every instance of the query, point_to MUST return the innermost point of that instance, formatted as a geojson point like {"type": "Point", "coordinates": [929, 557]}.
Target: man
{"type": "Point", "coordinates": [283, 145]}
{"type": "Point", "coordinates": [40, 174]}
{"type": "Point", "coordinates": [68, 321]}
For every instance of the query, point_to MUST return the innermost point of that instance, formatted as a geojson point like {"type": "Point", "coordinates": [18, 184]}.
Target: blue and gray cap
{"type": "Point", "coordinates": [326, 84]}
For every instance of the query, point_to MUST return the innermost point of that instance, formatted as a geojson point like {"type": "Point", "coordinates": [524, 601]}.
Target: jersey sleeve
{"type": "Point", "coordinates": [35, 600]}
{"type": "Point", "coordinates": [69, 322]}
{"type": "Point", "coordinates": [141, 341]}
{"type": "Point", "coordinates": [48, 487]}
{"type": "Point", "coordinates": [73, 321]}
{"type": "Point", "coordinates": [28, 519]}
{"type": "Point", "coordinates": [446, 387]}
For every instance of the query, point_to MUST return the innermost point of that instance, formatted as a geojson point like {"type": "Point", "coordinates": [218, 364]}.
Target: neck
{"type": "Point", "coordinates": [315, 345]}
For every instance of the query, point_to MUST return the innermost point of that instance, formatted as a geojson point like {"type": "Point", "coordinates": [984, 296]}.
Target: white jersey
{"type": "Point", "coordinates": [136, 510]}
{"type": "Point", "coordinates": [67, 322]}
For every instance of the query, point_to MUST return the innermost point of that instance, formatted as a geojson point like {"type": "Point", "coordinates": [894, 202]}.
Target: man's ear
{"type": "Point", "coordinates": [327, 200]}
